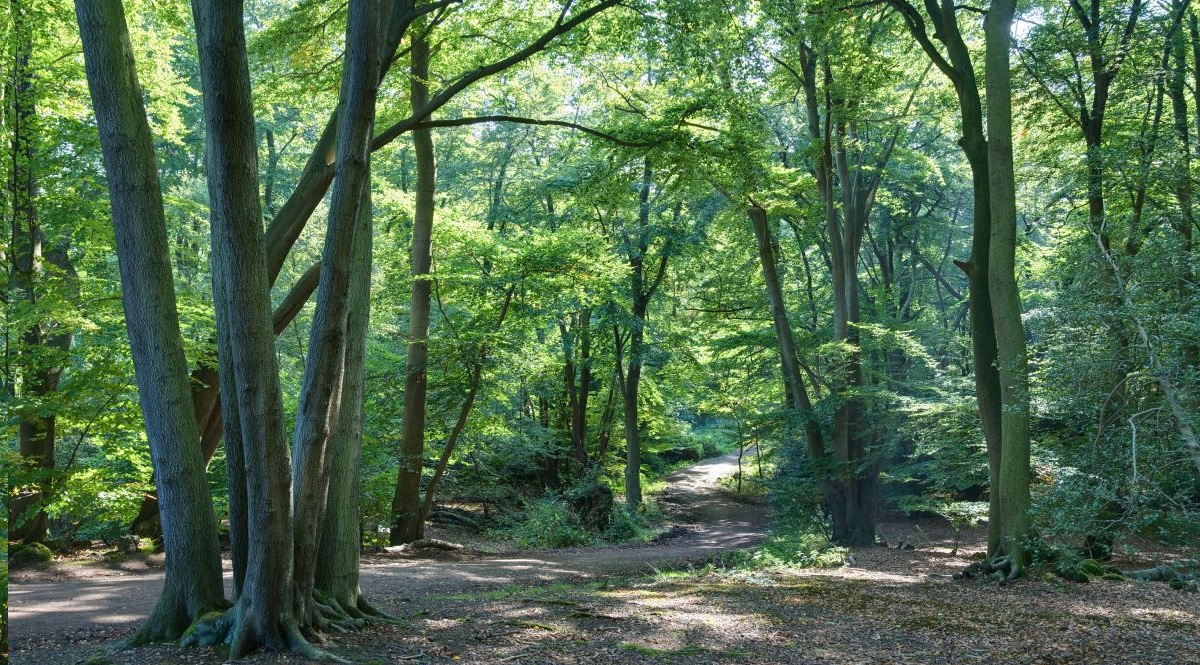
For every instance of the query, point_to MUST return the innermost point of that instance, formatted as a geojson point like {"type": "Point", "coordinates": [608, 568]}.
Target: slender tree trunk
{"type": "Point", "coordinates": [323, 384]}
{"type": "Point", "coordinates": [958, 67]}
{"type": "Point", "coordinates": [1013, 486]}
{"type": "Point", "coordinates": [338, 554]}
{"type": "Point", "coordinates": [642, 288]}
{"type": "Point", "coordinates": [44, 344]}
{"type": "Point", "coordinates": [577, 394]}
{"type": "Point", "coordinates": [406, 503]}
{"type": "Point", "coordinates": [794, 386]}
{"type": "Point", "coordinates": [193, 575]}
{"type": "Point", "coordinates": [604, 433]}
{"type": "Point", "coordinates": [464, 412]}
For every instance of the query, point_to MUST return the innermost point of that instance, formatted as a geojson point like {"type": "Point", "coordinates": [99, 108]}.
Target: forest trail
{"type": "Point", "coordinates": [101, 604]}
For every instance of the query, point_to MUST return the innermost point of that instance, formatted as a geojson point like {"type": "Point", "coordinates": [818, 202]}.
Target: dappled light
{"type": "Point", "coordinates": [588, 332]}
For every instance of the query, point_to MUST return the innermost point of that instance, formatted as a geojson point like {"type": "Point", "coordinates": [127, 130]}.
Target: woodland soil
{"type": "Point", "coordinates": [620, 605]}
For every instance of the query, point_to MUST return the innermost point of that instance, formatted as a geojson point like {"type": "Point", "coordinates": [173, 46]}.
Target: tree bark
{"type": "Point", "coordinates": [794, 388]}
{"type": "Point", "coordinates": [323, 385]}
{"type": "Point", "coordinates": [957, 66]}
{"type": "Point", "coordinates": [1014, 477]}
{"type": "Point", "coordinates": [193, 575]}
{"type": "Point", "coordinates": [252, 405]}
{"type": "Point", "coordinates": [642, 288]}
{"type": "Point", "coordinates": [338, 553]}
{"type": "Point", "coordinates": [406, 502]}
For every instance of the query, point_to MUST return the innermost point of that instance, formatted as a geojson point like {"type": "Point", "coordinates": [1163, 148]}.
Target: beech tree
{"type": "Point", "coordinates": [193, 580]}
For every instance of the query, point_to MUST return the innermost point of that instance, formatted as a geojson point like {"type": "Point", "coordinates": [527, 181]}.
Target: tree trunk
{"type": "Point", "coordinates": [578, 393]}
{"type": "Point", "coordinates": [794, 387]}
{"type": "Point", "coordinates": [324, 372]}
{"type": "Point", "coordinates": [854, 502]}
{"type": "Point", "coordinates": [957, 66]}
{"type": "Point", "coordinates": [193, 575]}
{"type": "Point", "coordinates": [406, 503]}
{"type": "Point", "coordinates": [1013, 485]}
{"type": "Point", "coordinates": [260, 517]}
{"type": "Point", "coordinates": [44, 345]}
{"type": "Point", "coordinates": [642, 289]}
{"type": "Point", "coordinates": [338, 553]}
{"type": "Point", "coordinates": [206, 397]}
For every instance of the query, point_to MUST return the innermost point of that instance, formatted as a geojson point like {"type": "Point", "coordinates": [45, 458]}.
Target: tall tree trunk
{"type": "Point", "coordinates": [260, 517]}
{"type": "Point", "coordinates": [793, 382]}
{"type": "Point", "coordinates": [323, 386]}
{"type": "Point", "coordinates": [338, 554]}
{"type": "Point", "coordinates": [44, 344]}
{"type": "Point", "coordinates": [406, 502]}
{"type": "Point", "coordinates": [1013, 486]}
{"type": "Point", "coordinates": [794, 388]}
{"type": "Point", "coordinates": [193, 576]}
{"type": "Point", "coordinates": [957, 66]}
{"type": "Point", "coordinates": [206, 397]}
{"type": "Point", "coordinates": [854, 505]}
{"type": "Point", "coordinates": [642, 288]}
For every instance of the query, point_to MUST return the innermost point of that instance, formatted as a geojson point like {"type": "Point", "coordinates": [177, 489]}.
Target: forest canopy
{"type": "Point", "coordinates": [281, 276]}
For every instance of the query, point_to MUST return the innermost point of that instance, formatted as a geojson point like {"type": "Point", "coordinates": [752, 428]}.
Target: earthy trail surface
{"type": "Point", "coordinates": [610, 606]}
{"type": "Point", "coordinates": [59, 614]}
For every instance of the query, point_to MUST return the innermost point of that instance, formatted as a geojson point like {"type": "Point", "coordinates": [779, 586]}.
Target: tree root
{"type": "Point", "coordinates": [232, 629]}
{"type": "Point", "coordinates": [1090, 569]}
{"type": "Point", "coordinates": [1002, 569]}
{"type": "Point", "coordinates": [431, 544]}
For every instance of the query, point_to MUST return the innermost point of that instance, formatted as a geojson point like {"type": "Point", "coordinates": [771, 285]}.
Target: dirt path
{"type": "Point", "coordinates": [92, 605]}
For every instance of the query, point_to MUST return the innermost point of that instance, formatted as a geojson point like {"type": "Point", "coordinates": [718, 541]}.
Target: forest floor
{"type": "Point", "coordinates": [622, 605]}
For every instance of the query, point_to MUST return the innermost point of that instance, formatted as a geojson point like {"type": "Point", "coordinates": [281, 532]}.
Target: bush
{"type": "Point", "coordinates": [592, 503]}
{"type": "Point", "coordinates": [549, 524]}
{"type": "Point", "coordinates": [785, 548]}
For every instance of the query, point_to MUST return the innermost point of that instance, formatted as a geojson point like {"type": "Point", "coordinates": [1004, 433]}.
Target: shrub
{"type": "Point", "coordinates": [549, 524]}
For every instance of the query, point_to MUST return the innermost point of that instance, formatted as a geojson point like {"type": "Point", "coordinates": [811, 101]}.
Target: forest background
{"type": "Point", "coordinates": [609, 237]}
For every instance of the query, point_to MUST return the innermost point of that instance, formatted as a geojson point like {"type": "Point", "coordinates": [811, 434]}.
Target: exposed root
{"type": "Point", "coordinates": [297, 643]}
{"type": "Point", "coordinates": [430, 544]}
{"type": "Point", "coordinates": [372, 613]}
{"type": "Point", "coordinates": [1002, 569]}
{"type": "Point", "coordinates": [231, 628]}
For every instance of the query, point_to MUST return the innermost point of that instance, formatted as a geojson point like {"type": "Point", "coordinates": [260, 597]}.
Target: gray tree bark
{"type": "Point", "coordinates": [323, 374]}
{"type": "Point", "coordinates": [251, 401]}
{"type": "Point", "coordinates": [1014, 478]}
{"type": "Point", "coordinates": [193, 576]}
{"type": "Point", "coordinates": [338, 551]}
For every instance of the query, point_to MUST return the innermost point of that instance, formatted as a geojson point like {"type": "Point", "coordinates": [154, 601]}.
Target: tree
{"type": "Point", "coordinates": [193, 579]}
{"type": "Point", "coordinates": [42, 344]}
{"type": "Point", "coordinates": [1013, 480]}
{"type": "Point", "coordinates": [406, 504]}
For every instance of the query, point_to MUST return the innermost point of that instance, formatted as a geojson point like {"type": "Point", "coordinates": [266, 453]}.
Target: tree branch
{"type": "Point", "coordinates": [519, 120]}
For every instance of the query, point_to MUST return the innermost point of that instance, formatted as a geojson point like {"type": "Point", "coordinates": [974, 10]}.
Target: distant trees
{"type": "Point", "coordinates": [558, 265]}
